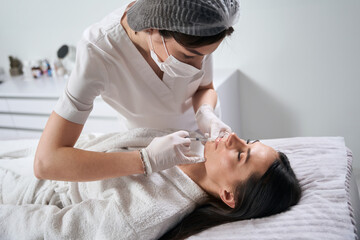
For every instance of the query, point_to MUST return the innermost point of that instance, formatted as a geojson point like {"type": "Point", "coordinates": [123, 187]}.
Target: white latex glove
{"type": "Point", "coordinates": [209, 124]}
{"type": "Point", "coordinates": [168, 151]}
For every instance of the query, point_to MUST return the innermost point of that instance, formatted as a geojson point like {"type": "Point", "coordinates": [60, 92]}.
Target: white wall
{"type": "Point", "coordinates": [298, 60]}
{"type": "Point", "coordinates": [36, 29]}
{"type": "Point", "coordinates": [299, 69]}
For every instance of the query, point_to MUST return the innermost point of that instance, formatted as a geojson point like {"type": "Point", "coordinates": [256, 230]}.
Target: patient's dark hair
{"type": "Point", "coordinates": [191, 41]}
{"type": "Point", "coordinates": [259, 196]}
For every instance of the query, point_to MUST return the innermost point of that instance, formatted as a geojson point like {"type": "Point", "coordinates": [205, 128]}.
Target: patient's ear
{"type": "Point", "coordinates": [227, 197]}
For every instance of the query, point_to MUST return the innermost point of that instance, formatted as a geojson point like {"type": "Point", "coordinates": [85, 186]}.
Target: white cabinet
{"type": "Point", "coordinates": [3, 105]}
{"type": "Point", "coordinates": [25, 106]}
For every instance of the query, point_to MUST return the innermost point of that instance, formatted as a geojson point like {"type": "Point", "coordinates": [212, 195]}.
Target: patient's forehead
{"type": "Point", "coordinates": [262, 157]}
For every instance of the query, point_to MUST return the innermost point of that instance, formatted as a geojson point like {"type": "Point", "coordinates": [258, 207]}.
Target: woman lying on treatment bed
{"type": "Point", "coordinates": [239, 180]}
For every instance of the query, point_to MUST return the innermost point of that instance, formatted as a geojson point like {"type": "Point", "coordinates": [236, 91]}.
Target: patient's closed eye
{"type": "Point", "coordinates": [239, 156]}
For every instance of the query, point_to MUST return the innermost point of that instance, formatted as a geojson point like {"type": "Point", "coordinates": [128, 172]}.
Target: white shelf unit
{"type": "Point", "coordinates": [26, 104]}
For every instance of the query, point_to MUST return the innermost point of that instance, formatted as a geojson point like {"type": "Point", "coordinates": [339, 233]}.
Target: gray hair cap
{"type": "Point", "coordinates": [191, 17]}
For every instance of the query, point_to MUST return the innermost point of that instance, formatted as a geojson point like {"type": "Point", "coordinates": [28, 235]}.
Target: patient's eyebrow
{"type": "Point", "coordinates": [247, 155]}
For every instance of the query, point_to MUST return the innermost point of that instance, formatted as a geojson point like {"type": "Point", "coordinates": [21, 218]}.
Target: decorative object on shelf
{"type": "Point", "coordinates": [41, 68]}
{"type": "Point", "coordinates": [59, 68]}
{"type": "Point", "coordinates": [27, 70]}
{"type": "Point", "coordinates": [15, 66]}
{"type": "Point", "coordinates": [2, 75]}
{"type": "Point", "coordinates": [36, 71]}
{"type": "Point", "coordinates": [66, 60]}
{"type": "Point", "coordinates": [45, 67]}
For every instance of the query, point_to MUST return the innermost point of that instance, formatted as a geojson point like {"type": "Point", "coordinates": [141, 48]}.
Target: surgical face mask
{"type": "Point", "coordinates": [171, 66]}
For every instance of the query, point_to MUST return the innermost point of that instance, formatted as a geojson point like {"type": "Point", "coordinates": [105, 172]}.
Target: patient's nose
{"type": "Point", "coordinates": [234, 141]}
{"type": "Point", "coordinates": [231, 140]}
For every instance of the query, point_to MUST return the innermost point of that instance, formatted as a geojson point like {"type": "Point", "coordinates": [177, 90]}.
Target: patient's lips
{"type": "Point", "coordinates": [217, 140]}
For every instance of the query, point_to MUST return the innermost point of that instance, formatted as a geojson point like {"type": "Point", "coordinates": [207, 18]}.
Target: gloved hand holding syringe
{"type": "Point", "coordinates": [170, 150]}
{"type": "Point", "coordinates": [199, 139]}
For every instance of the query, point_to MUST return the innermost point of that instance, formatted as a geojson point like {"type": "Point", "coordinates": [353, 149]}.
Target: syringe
{"type": "Point", "coordinates": [199, 139]}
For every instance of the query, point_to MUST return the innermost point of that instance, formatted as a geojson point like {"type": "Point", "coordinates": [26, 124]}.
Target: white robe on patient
{"type": "Point", "coordinates": [132, 207]}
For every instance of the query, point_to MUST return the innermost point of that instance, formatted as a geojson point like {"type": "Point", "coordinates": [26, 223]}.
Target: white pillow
{"type": "Point", "coordinates": [324, 212]}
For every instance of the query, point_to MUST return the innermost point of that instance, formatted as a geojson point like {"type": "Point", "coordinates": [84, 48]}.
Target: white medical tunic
{"type": "Point", "coordinates": [109, 64]}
